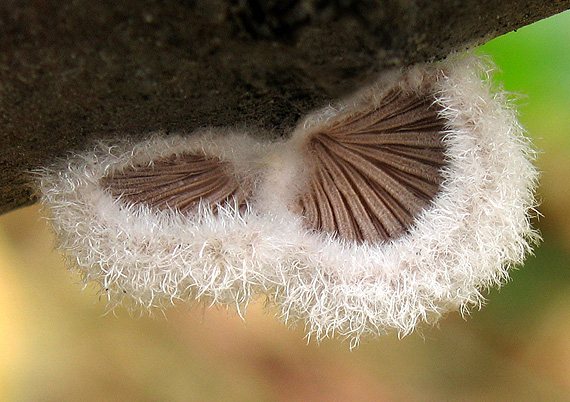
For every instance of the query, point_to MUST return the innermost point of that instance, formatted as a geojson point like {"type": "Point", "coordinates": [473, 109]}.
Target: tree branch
{"type": "Point", "coordinates": [74, 72]}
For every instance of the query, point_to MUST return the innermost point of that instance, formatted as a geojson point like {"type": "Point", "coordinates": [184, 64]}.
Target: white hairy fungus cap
{"type": "Point", "coordinates": [381, 212]}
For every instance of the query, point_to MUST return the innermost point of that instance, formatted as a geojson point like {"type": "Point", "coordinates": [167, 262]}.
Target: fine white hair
{"type": "Point", "coordinates": [474, 231]}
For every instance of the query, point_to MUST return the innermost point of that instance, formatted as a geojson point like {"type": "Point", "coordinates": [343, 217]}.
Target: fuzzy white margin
{"type": "Point", "coordinates": [476, 229]}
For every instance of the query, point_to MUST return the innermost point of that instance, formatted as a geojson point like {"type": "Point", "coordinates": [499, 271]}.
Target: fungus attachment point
{"type": "Point", "coordinates": [180, 182]}
{"type": "Point", "coordinates": [373, 171]}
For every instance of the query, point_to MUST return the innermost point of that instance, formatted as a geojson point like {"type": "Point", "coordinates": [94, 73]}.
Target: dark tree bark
{"type": "Point", "coordinates": [73, 72]}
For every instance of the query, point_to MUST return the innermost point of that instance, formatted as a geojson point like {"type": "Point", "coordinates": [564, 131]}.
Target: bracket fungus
{"type": "Point", "coordinates": [380, 212]}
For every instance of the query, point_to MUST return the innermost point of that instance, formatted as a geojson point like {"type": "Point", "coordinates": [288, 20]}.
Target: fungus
{"type": "Point", "coordinates": [381, 212]}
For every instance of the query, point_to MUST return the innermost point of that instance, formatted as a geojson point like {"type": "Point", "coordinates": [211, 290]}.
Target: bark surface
{"type": "Point", "coordinates": [75, 72]}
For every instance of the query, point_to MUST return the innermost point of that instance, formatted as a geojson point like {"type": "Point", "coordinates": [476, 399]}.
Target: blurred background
{"type": "Point", "coordinates": [58, 344]}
